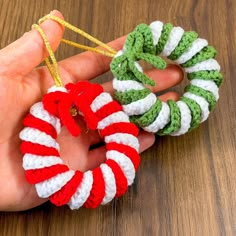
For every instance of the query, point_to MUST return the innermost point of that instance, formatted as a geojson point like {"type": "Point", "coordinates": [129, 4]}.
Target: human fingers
{"type": "Point", "coordinates": [169, 96]}
{"type": "Point", "coordinates": [88, 65]}
{"type": "Point", "coordinates": [98, 155]}
{"type": "Point", "coordinates": [89, 159]}
{"type": "Point", "coordinates": [95, 138]}
{"type": "Point", "coordinates": [164, 79]}
{"type": "Point", "coordinates": [21, 56]}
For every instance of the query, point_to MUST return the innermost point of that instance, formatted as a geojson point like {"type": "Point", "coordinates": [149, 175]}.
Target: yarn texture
{"type": "Point", "coordinates": [186, 49]}
{"type": "Point", "coordinates": [43, 164]}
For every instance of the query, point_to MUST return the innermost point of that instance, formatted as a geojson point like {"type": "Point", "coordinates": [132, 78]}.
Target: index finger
{"type": "Point", "coordinates": [88, 65]}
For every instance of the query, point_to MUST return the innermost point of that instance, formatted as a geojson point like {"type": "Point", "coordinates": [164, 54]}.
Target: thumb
{"type": "Point", "coordinates": [21, 56]}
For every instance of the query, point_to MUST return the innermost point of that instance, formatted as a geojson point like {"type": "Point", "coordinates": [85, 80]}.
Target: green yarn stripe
{"type": "Point", "coordinates": [127, 76]}
{"type": "Point", "coordinates": [148, 117]}
{"type": "Point", "coordinates": [205, 54]}
{"type": "Point", "coordinates": [131, 96]}
{"type": "Point", "coordinates": [141, 77]}
{"type": "Point", "coordinates": [153, 60]}
{"type": "Point", "coordinates": [164, 37]}
{"type": "Point", "coordinates": [209, 97]}
{"type": "Point", "coordinates": [175, 119]}
{"type": "Point", "coordinates": [185, 43]}
{"type": "Point", "coordinates": [195, 112]}
{"type": "Point", "coordinates": [213, 75]}
{"type": "Point", "coordinates": [148, 39]}
{"type": "Point", "coordinates": [121, 70]}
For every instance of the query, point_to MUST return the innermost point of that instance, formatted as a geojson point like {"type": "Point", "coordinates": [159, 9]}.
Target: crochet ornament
{"type": "Point", "coordinates": [187, 50]}
{"type": "Point", "coordinates": [43, 165]}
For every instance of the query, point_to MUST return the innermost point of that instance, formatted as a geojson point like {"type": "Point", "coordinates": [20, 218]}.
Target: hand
{"type": "Point", "coordinates": [21, 85]}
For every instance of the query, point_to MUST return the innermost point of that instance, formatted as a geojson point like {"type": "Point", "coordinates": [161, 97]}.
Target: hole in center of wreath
{"type": "Point", "coordinates": [85, 152]}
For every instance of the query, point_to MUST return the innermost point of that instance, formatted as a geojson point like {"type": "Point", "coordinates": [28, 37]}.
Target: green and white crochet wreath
{"type": "Point", "coordinates": [186, 49]}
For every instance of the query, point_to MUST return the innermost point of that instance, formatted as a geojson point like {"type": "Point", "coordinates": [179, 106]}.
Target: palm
{"type": "Point", "coordinates": [15, 190]}
{"type": "Point", "coordinates": [14, 186]}
{"type": "Point", "coordinates": [21, 86]}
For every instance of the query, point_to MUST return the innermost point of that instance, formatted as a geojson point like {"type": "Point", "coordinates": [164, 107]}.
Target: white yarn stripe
{"type": "Point", "coordinates": [161, 120]}
{"type": "Point", "coordinates": [83, 191]}
{"type": "Point", "coordinates": [156, 28]}
{"type": "Point", "coordinates": [100, 101]}
{"type": "Point", "coordinates": [119, 53]}
{"type": "Point", "coordinates": [138, 66]}
{"type": "Point", "coordinates": [127, 139]}
{"type": "Point", "coordinates": [125, 164]}
{"type": "Point", "coordinates": [31, 162]}
{"type": "Point", "coordinates": [126, 85]}
{"type": "Point", "coordinates": [196, 47]}
{"type": "Point", "coordinates": [173, 41]}
{"type": "Point", "coordinates": [119, 116]}
{"type": "Point", "coordinates": [201, 102]}
{"type": "Point", "coordinates": [36, 136]}
{"type": "Point", "coordinates": [210, 64]}
{"type": "Point", "coordinates": [208, 85]}
{"type": "Point", "coordinates": [140, 106]}
{"type": "Point", "coordinates": [186, 118]}
{"type": "Point", "coordinates": [110, 183]}
{"type": "Point", "coordinates": [56, 88]}
{"type": "Point", "coordinates": [38, 111]}
{"type": "Point", "coordinates": [54, 184]}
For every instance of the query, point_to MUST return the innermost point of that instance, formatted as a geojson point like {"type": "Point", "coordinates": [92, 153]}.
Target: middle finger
{"type": "Point", "coordinates": [164, 79]}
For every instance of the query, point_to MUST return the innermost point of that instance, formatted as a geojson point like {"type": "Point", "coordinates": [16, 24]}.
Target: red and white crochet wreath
{"type": "Point", "coordinates": [43, 164]}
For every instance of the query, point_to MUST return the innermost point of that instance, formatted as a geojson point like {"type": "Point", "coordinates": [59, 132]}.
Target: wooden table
{"type": "Point", "coordinates": [185, 185]}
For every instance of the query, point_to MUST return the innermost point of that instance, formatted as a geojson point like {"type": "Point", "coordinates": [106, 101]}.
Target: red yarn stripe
{"type": "Point", "coordinates": [92, 92]}
{"type": "Point", "coordinates": [52, 100]}
{"type": "Point", "coordinates": [67, 119]}
{"type": "Point", "coordinates": [63, 196]}
{"type": "Point", "coordinates": [98, 190]}
{"type": "Point", "coordinates": [38, 175]}
{"type": "Point", "coordinates": [120, 127]}
{"type": "Point", "coordinates": [108, 109]}
{"type": "Point", "coordinates": [85, 93]}
{"type": "Point", "coordinates": [59, 103]}
{"type": "Point", "coordinates": [121, 181]}
{"type": "Point", "coordinates": [37, 149]}
{"type": "Point", "coordinates": [34, 122]}
{"type": "Point", "coordinates": [127, 150]}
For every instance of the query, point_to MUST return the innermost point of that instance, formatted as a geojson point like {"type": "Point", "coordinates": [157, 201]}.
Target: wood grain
{"type": "Point", "coordinates": [185, 185]}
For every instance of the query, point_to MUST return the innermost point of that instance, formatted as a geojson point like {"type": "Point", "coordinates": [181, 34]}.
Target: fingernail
{"type": "Point", "coordinates": [52, 12]}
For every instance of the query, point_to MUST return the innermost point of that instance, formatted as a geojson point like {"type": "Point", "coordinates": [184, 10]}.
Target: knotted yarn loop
{"type": "Point", "coordinates": [84, 94]}
{"type": "Point", "coordinates": [59, 104]}
{"type": "Point", "coordinates": [138, 46]}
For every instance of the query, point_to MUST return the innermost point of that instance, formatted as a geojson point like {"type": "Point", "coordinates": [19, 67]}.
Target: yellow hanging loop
{"type": "Point", "coordinates": [53, 68]}
{"type": "Point", "coordinates": [111, 52]}
{"type": "Point", "coordinates": [86, 48]}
